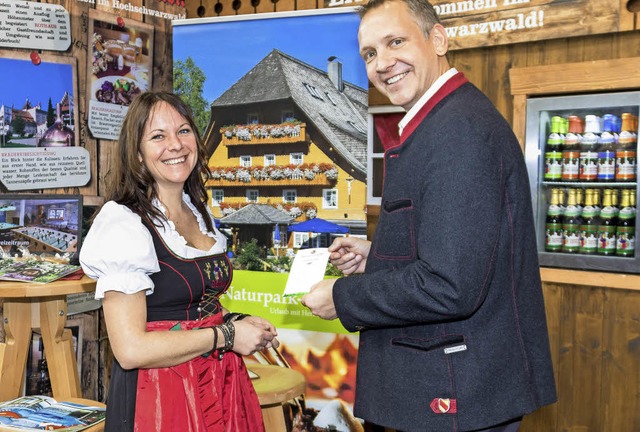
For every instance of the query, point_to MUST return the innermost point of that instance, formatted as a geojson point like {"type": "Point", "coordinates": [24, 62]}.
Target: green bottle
{"type": "Point", "coordinates": [608, 226]}
{"type": "Point", "coordinates": [553, 223]}
{"type": "Point", "coordinates": [589, 225]}
{"type": "Point", "coordinates": [571, 224]}
{"type": "Point", "coordinates": [626, 229]}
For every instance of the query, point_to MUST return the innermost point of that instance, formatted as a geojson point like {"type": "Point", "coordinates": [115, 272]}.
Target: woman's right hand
{"type": "Point", "coordinates": [253, 334]}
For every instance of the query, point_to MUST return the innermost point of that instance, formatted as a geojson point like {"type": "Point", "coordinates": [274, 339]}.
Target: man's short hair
{"type": "Point", "coordinates": [423, 11]}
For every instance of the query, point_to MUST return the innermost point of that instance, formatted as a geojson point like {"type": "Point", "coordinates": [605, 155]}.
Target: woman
{"type": "Point", "coordinates": [161, 268]}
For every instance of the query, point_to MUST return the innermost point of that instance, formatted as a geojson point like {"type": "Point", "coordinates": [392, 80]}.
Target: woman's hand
{"type": "Point", "coordinates": [254, 334]}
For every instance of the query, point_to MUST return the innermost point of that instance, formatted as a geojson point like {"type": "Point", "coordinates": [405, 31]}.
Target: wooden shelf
{"type": "Point", "coordinates": [590, 278]}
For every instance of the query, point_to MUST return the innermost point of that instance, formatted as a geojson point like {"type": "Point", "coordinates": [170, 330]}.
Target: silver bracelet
{"type": "Point", "coordinates": [228, 332]}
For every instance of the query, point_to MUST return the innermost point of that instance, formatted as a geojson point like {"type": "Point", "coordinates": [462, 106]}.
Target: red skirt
{"type": "Point", "coordinates": [202, 395]}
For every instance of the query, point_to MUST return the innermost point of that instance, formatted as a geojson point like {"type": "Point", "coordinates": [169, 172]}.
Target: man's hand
{"type": "Point", "coordinates": [319, 300]}
{"type": "Point", "coordinates": [349, 254]}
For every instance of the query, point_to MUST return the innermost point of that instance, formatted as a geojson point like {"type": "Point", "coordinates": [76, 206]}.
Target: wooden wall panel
{"type": "Point", "coordinates": [621, 361]}
{"type": "Point", "coordinates": [545, 419]}
{"type": "Point", "coordinates": [498, 74]}
{"type": "Point", "coordinates": [595, 345]}
{"type": "Point", "coordinates": [575, 50]}
{"type": "Point", "coordinates": [264, 6]}
{"type": "Point", "coordinates": [583, 344]}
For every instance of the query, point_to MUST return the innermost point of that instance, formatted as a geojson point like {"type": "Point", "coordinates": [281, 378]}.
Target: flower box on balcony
{"type": "Point", "coordinates": [274, 175]}
{"type": "Point", "coordinates": [263, 134]}
{"type": "Point", "coordinates": [319, 180]}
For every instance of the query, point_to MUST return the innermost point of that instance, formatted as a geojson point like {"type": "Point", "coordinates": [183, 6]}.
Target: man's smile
{"type": "Point", "coordinates": [396, 78]}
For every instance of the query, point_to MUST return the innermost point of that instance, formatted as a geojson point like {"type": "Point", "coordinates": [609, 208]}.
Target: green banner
{"type": "Point", "coordinates": [260, 293]}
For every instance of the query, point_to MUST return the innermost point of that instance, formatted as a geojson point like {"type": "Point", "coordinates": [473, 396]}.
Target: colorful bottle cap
{"type": "Point", "coordinates": [609, 121]}
{"type": "Point", "coordinates": [575, 124]}
{"type": "Point", "coordinates": [592, 124]}
{"type": "Point", "coordinates": [557, 123]}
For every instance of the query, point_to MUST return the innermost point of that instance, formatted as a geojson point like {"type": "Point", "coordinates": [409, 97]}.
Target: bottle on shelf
{"type": "Point", "coordinates": [615, 200]}
{"type": "Point", "coordinates": [555, 140]}
{"type": "Point", "coordinates": [626, 228]}
{"type": "Point", "coordinates": [626, 156]}
{"type": "Point", "coordinates": [607, 150]}
{"type": "Point", "coordinates": [553, 150]}
{"type": "Point", "coordinates": [589, 225]}
{"type": "Point", "coordinates": [617, 127]}
{"type": "Point", "coordinates": [571, 224]}
{"type": "Point", "coordinates": [579, 199]}
{"type": "Point", "coordinates": [627, 138]}
{"type": "Point", "coordinates": [553, 223]}
{"type": "Point", "coordinates": [589, 149]}
{"type": "Point", "coordinates": [571, 150]}
{"type": "Point", "coordinates": [595, 195]}
{"type": "Point", "coordinates": [607, 226]}
{"type": "Point", "coordinates": [573, 136]}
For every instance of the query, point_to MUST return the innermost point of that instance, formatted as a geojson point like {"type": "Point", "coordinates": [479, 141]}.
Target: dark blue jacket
{"type": "Point", "coordinates": [450, 308]}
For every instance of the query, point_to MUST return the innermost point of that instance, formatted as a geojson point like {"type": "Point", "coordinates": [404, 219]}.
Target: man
{"type": "Point", "coordinates": [450, 308]}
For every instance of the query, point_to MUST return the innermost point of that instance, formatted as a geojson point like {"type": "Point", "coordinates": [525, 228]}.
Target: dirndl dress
{"type": "Point", "coordinates": [205, 394]}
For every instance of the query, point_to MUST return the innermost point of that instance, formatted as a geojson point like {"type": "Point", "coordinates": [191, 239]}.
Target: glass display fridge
{"type": "Point", "coordinates": [581, 155]}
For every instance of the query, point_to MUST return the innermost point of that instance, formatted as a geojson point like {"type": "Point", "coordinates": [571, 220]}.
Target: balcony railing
{"type": "Point", "coordinates": [263, 134]}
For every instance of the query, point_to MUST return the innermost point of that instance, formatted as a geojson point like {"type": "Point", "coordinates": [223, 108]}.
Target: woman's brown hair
{"type": "Point", "coordinates": [130, 183]}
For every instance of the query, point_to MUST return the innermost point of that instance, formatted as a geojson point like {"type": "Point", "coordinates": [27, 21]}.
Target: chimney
{"type": "Point", "coordinates": [334, 68]}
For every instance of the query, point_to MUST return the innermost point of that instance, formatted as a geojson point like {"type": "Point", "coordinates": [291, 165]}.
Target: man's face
{"type": "Point", "coordinates": [401, 62]}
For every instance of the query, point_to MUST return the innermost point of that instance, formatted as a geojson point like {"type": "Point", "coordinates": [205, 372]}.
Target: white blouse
{"type": "Point", "coordinates": [118, 251]}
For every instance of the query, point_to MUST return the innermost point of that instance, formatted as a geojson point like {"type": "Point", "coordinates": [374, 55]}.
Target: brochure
{"type": "Point", "coordinates": [37, 413]}
{"type": "Point", "coordinates": [34, 270]}
{"type": "Point", "coordinates": [308, 268]}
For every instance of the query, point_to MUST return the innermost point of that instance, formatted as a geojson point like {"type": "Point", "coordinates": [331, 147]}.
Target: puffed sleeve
{"type": "Point", "coordinates": [118, 252]}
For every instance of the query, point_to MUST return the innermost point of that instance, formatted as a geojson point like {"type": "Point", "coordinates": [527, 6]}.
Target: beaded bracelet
{"type": "Point", "coordinates": [234, 316]}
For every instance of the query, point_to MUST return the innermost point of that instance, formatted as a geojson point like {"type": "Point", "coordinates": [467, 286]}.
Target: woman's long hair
{"type": "Point", "coordinates": [130, 183]}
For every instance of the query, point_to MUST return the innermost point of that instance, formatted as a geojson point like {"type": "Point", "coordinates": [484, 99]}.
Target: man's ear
{"type": "Point", "coordinates": [440, 40]}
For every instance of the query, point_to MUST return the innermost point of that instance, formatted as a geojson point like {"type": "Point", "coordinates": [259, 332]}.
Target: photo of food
{"type": "Point", "coordinates": [120, 62]}
{"type": "Point", "coordinates": [119, 91]}
{"type": "Point", "coordinates": [119, 69]}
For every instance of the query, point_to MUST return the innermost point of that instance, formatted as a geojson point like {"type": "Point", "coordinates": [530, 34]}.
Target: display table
{"type": "Point", "coordinates": [30, 305]}
{"type": "Point", "coordinates": [276, 385]}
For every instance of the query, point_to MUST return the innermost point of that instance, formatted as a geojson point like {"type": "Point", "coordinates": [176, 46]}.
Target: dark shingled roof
{"type": "Point", "coordinates": [257, 214]}
{"type": "Point", "coordinates": [281, 77]}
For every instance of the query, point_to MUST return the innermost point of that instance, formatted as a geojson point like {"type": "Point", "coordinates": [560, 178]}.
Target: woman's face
{"type": "Point", "coordinates": [168, 148]}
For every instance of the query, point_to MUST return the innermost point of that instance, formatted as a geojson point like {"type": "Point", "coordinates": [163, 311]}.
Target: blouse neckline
{"type": "Point", "coordinates": [174, 239]}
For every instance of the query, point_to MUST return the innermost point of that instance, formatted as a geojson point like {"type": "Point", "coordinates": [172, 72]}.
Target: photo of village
{"type": "Point", "coordinates": [37, 110]}
{"type": "Point", "coordinates": [285, 126]}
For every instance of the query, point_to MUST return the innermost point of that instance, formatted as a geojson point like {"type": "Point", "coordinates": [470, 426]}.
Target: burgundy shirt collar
{"type": "Point", "coordinates": [447, 88]}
